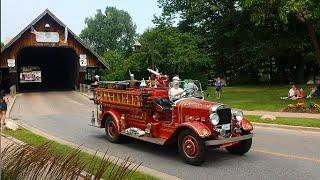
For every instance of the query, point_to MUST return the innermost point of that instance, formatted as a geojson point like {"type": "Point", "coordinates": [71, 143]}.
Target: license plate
{"type": "Point", "coordinates": [225, 126]}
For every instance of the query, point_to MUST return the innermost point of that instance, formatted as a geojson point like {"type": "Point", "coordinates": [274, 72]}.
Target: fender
{"type": "Point", "coordinates": [116, 116]}
{"type": "Point", "coordinates": [246, 125]}
{"type": "Point", "coordinates": [198, 127]}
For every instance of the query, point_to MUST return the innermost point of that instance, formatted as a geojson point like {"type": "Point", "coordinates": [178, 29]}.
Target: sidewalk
{"type": "Point", "coordinates": [283, 114]}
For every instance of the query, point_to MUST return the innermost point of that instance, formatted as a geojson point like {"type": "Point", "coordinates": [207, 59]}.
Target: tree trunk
{"type": "Point", "coordinates": [270, 70]}
{"type": "Point", "coordinates": [313, 36]}
{"type": "Point", "coordinates": [299, 75]}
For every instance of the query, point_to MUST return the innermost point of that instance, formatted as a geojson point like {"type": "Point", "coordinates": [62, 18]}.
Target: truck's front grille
{"type": "Point", "coordinates": [224, 115]}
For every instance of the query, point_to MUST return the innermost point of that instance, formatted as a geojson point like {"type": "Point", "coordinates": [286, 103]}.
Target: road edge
{"type": "Point", "coordinates": [280, 126]}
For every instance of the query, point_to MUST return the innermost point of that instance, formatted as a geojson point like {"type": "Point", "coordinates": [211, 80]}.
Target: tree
{"type": "Point", "coordinates": [2, 44]}
{"type": "Point", "coordinates": [111, 30]}
{"type": "Point", "coordinates": [118, 68]}
{"type": "Point", "coordinates": [274, 41]}
{"type": "Point", "coordinates": [224, 30]}
{"type": "Point", "coordinates": [172, 52]}
{"type": "Point", "coordinates": [306, 11]}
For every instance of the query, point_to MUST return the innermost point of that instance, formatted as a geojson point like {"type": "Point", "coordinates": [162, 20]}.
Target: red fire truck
{"type": "Point", "coordinates": [150, 113]}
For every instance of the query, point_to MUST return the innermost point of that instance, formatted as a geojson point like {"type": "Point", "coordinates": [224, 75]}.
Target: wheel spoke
{"type": "Point", "coordinates": [190, 146]}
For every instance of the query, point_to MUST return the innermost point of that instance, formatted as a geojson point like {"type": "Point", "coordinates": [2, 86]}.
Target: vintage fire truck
{"type": "Point", "coordinates": [149, 113]}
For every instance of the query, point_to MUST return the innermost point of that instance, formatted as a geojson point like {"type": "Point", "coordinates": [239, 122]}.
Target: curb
{"type": "Point", "coordinates": [301, 128]}
{"type": "Point", "coordinates": [84, 94]}
{"type": "Point", "coordinates": [10, 107]}
{"type": "Point", "coordinates": [283, 114]}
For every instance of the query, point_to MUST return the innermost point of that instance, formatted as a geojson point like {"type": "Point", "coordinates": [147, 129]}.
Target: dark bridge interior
{"type": "Point", "coordinates": [59, 68]}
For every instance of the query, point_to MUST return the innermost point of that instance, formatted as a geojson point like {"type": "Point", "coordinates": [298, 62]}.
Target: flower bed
{"type": "Point", "coordinates": [303, 107]}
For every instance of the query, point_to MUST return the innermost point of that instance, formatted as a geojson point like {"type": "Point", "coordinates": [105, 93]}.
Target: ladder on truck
{"type": "Point", "coordinates": [119, 97]}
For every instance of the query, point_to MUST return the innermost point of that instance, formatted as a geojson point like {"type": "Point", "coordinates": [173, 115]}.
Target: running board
{"type": "Point", "coordinates": [158, 141]}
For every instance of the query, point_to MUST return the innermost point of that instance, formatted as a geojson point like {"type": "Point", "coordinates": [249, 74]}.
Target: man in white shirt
{"type": "Point", "coordinates": [175, 91]}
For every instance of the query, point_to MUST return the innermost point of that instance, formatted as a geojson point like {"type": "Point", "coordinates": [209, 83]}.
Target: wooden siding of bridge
{"type": "Point", "coordinates": [28, 39]}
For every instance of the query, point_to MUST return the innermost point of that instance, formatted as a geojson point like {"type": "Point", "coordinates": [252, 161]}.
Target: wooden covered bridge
{"type": "Point", "coordinates": [46, 55]}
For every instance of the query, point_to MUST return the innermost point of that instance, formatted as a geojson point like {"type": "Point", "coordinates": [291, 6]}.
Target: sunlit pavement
{"type": "Point", "coordinates": [276, 153]}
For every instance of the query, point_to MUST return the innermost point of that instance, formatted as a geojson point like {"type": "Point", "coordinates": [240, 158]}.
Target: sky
{"type": "Point", "coordinates": [17, 14]}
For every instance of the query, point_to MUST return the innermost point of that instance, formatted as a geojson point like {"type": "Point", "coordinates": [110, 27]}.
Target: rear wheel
{"type": "Point", "coordinates": [191, 147]}
{"type": "Point", "coordinates": [240, 148]}
{"type": "Point", "coordinates": [111, 130]}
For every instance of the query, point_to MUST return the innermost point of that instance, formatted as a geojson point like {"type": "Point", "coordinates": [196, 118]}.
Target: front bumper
{"type": "Point", "coordinates": [228, 140]}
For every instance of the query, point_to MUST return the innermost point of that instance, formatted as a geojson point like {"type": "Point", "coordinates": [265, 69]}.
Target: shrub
{"type": "Point", "coordinates": [28, 162]}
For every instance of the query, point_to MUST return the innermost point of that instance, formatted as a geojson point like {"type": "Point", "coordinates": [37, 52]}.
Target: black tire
{"type": "Point", "coordinates": [111, 130]}
{"type": "Point", "coordinates": [197, 153]}
{"type": "Point", "coordinates": [240, 148]}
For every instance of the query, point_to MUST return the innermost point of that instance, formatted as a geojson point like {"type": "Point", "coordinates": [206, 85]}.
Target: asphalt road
{"type": "Point", "coordinates": [275, 154]}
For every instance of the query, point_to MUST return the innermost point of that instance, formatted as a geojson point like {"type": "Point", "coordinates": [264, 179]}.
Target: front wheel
{"type": "Point", "coordinates": [191, 147]}
{"type": "Point", "coordinates": [240, 148]}
{"type": "Point", "coordinates": [111, 130]}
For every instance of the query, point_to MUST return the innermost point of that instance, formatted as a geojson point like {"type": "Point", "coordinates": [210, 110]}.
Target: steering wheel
{"type": "Point", "coordinates": [187, 92]}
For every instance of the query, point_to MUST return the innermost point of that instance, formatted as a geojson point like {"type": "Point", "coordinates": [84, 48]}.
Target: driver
{"type": "Point", "coordinates": [175, 91]}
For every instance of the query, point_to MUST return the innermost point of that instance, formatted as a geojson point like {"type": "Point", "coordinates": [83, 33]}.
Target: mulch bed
{"type": "Point", "coordinates": [302, 110]}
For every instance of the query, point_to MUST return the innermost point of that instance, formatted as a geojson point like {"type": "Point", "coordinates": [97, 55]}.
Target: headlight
{"type": "Point", "coordinates": [238, 114]}
{"type": "Point", "coordinates": [215, 107]}
{"type": "Point", "coordinates": [214, 118]}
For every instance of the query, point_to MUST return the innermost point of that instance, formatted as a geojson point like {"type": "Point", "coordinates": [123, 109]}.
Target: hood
{"type": "Point", "coordinates": [194, 103]}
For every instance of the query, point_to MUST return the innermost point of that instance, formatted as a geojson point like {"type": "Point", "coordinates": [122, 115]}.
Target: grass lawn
{"type": "Point", "coordinates": [35, 140]}
{"type": "Point", "coordinates": [256, 97]}
{"type": "Point", "coordinates": [307, 122]}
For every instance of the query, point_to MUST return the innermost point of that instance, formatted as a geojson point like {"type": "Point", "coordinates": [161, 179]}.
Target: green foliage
{"type": "Point", "coordinates": [173, 53]}
{"type": "Point", "coordinates": [117, 69]}
{"type": "Point", "coordinates": [111, 30]}
{"type": "Point", "coordinates": [309, 105]}
{"type": "Point", "coordinates": [307, 12]}
{"type": "Point", "coordinates": [247, 38]}
{"type": "Point", "coordinates": [57, 149]}
{"type": "Point", "coordinates": [2, 44]}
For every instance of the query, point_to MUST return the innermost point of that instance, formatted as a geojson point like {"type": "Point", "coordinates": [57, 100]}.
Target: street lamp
{"type": "Point", "coordinates": [136, 45]}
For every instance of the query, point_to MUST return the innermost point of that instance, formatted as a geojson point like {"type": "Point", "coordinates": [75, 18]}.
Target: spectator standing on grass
{"type": "Point", "coordinates": [218, 87]}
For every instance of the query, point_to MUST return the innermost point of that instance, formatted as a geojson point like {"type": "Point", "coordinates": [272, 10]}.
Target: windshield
{"type": "Point", "coordinates": [185, 88]}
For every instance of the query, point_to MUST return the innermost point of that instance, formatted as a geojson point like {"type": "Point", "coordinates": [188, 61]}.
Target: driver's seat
{"type": "Point", "coordinates": [165, 104]}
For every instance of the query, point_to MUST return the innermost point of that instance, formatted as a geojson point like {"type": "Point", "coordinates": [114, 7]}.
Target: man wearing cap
{"type": "Point", "coordinates": [175, 91]}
